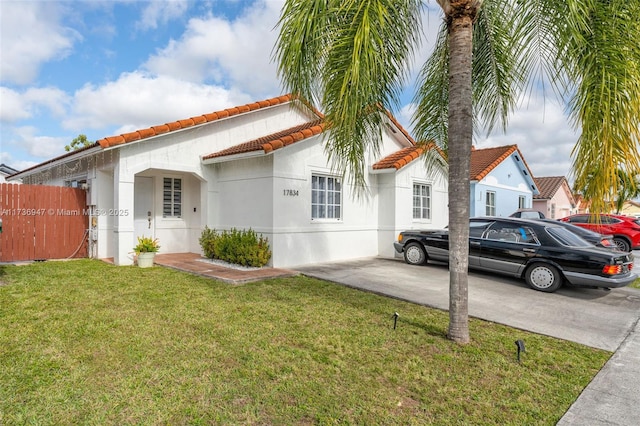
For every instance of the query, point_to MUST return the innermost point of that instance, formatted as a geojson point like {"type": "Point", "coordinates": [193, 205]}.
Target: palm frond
{"type": "Point", "coordinates": [497, 76]}
{"type": "Point", "coordinates": [432, 96]}
{"type": "Point", "coordinates": [604, 56]}
{"type": "Point", "coordinates": [353, 66]}
{"type": "Point", "coordinates": [301, 48]}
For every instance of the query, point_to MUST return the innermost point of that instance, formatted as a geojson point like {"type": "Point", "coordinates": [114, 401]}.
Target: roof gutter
{"type": "Point", "coordinates": [385, 171]}
{"type": "Point", "coordinates": [227, 158]}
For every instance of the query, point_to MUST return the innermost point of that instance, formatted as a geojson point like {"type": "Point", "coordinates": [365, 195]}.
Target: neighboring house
{"type": "Point", "coordinates": [555, 200]}
{"type": "Point", "coordinates": [631, 208]}
{"type": "Point", "coordinates": [261, 166]}
{"type": "Point", "coordinates": [501, 181]}
{"type": "Point", "coordinates": [6, 171]}
{"type": "Point", "coordinates": [582, 205]}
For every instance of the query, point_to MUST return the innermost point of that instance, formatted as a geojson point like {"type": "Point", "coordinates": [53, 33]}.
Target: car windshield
{"type": "Point", "coordinates": [566, 237]}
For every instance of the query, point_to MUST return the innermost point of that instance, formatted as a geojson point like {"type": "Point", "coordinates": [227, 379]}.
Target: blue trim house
{"type": "Point", "coordinates": [501, 181]}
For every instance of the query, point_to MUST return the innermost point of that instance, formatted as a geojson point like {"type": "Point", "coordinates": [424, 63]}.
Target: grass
{"type": "Point", "coordinates": [635, 284]}
{"type": "Point", "coordinates": [84, 342]}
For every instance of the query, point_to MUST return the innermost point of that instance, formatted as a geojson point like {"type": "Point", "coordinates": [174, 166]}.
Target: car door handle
{"type": "Point", "coordinates": [528, 250]}
{"type": "Point", "coordinates": [474, 243]}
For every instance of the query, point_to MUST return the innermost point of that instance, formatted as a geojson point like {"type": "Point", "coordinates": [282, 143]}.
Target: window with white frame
{"type": "Point", "coordinates": [326, 197]}
{"type": "Point", "coordinates": [172, 197]}
{"type": "Point", "coordinates": [522, 202]}
{"type": "Point", "coordinates": [490, 209]}
{"type": "Point", "coordinates": [421, 201]}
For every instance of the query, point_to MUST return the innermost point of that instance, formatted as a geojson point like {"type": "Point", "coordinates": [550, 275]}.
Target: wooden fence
{"type": "Point", "coordinates": [42, 222]}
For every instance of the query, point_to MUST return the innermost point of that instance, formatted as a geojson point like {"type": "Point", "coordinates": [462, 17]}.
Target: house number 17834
{"type": "Point", "coordinates": [290, 192]}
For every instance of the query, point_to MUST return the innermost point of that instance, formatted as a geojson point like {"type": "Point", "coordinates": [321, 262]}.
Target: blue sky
{"type": "Point", "coordinates": [106, 67]}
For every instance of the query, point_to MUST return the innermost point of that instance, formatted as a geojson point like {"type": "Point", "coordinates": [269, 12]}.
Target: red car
{"type": "Point", "coordinates": [625, 229]}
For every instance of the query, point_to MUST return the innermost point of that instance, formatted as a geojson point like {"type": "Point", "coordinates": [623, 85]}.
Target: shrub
{"type": "Point", "coordinates": [146, 245]}
{"type": "Point", "coordinates": [242, 247]}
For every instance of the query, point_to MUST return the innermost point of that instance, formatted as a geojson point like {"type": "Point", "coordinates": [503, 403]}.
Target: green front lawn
{"type": "Point", "coordinates": [84, 342]}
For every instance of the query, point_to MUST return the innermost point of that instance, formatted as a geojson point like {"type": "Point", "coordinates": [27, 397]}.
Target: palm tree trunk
{"type": "Point", "coordinates": [459, 150]}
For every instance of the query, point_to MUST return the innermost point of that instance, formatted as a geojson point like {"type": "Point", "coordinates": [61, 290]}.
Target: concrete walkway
{"type": "Point", "coordinates": [613, 396]}
{"type": "Point", "coordinates": [196, 264]}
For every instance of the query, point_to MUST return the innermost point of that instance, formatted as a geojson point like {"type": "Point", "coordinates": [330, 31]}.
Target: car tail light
{"type": "Point", "coordinates": [612, 269]}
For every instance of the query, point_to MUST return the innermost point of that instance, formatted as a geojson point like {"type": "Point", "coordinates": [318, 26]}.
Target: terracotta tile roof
{"type": "Point", "coordinates": [189, 122]}
{"type": "Point", "coordinates": [401, 158]}
{"type": "Point", "coordinates": [483, 161]}
{"type": "Point", "coordinates": [274, 141]}
{"type": "Point", "coordinates": [548, 186]}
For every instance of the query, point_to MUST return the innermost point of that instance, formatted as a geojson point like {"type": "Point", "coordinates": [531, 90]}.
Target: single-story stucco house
{"type": "Point", "coordinates": [6, 171]}
{"type": "Point", "coordinates": [556, 199]}
{"type": "Point", "coordinates": [261, 166]}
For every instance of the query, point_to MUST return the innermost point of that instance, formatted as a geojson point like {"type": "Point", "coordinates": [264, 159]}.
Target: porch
{"type": "Point", "coordinates": [195, 264]}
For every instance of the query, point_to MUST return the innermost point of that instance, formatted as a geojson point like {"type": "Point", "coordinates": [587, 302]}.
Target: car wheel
{"type": "Point", "coordinates": [414, 254]}
{"type": "Point", "coordinates": [621, 243]}
{"type": "Point", "coordinates": [543, 277]}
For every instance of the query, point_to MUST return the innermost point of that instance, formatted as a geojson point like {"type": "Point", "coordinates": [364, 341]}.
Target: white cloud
{"type": "Point", "coordinates": [7, 158]}
{"type": "Point", "coordinates": [38, 146]}
{"type": "Point", "coordinates": [137, 100]}
{"type": "Point", "coordinates": [31, 35]}
{"type": "Point", "coordinates": [405, 115]}
{"type": "Point", "coordinates": [13, 106]}
{"type": "Point", "coordinates": [17, 106]}
{"type": "Point", "coordinates": [160, 12]}
{"type": "Point", "coordinates": [237, 53]}
{"type": "Point", "coordinates": [544, 136]}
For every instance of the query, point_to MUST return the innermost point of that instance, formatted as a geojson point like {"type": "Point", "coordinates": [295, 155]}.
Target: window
{"type": "Point", "coordinates": [172, 197]}
{"type": "Point", "coordinates": [579, 219]}
{"type": "Point", "coordinates": [490, 209]}
{"type": "Point", "coordinates": [477, 228]}
{"type": "Point", "coordinates": [421, 201]}
{"type": "Point", "coordinates": [522, 202]}
{"type": "Point", "coordinates": [326, 197]}
{"type": "Point", "coordinates": [566, 237]}
{"type": "Point", "coordinates": [553, 210]}
{"type": "Point", "coordinates": [511, 233]}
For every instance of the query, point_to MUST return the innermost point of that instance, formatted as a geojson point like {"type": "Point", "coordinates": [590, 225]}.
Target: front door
{"type": "Point", "coordinates": [143, 212]}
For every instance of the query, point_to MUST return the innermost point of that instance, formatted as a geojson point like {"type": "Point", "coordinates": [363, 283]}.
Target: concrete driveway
{"type": "Point", "coordinates": [593, 317]}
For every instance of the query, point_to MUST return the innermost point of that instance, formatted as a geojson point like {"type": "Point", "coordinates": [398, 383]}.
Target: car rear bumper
{"type": "Point", "coordinates": [576, 278]}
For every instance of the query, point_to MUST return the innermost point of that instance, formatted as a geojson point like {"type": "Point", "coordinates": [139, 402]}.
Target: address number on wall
{"type": "Point", "coordinates": [290, 192]}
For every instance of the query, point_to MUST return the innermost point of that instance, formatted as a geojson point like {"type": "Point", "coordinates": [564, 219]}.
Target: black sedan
{"type": "Point", "coordinates": [544, 254]}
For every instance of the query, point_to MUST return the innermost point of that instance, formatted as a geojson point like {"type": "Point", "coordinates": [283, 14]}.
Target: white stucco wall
{"type": "Point", "coordinates": [396, 202]}
{"type": "Point", "coordinates": [272, 195]}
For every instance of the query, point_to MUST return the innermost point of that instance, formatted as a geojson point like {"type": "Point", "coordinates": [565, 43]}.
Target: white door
{"type": "Point", "coordinates": [143, 213]}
